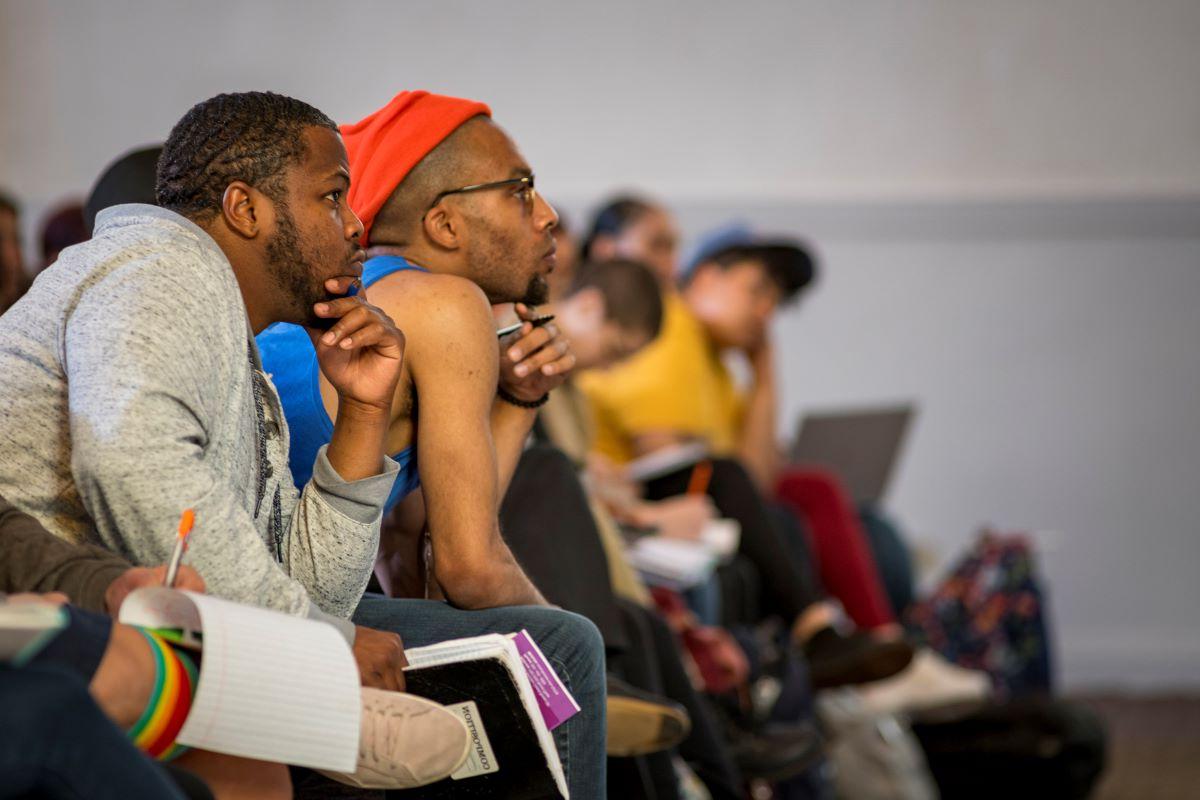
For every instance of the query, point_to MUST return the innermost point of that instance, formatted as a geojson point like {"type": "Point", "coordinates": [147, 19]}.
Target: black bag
{"type": "Point", "coordinates": [1029, 748]}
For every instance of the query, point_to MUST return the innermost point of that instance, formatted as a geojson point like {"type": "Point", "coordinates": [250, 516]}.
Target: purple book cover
{"type": "Point", "coordinates": [556, 703]}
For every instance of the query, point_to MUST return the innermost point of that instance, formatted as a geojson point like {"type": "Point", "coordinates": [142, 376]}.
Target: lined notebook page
{"type": "Point", "coordinates": [489, 645]}
{"type": "Point", "coordinates": [272, 686]}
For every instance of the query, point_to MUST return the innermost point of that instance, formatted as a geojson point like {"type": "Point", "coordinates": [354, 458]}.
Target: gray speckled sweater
{"type": "Point", "coordinates": [126, 396]}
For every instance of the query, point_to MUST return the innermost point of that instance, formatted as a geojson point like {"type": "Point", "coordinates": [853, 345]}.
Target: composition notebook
{"type": "Point", "coordinates": [508, 696]}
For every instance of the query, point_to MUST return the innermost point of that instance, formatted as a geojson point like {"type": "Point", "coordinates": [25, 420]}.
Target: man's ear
{"type": "Point", "coordinates": [245, 209]}
{"type": "Point", "coordinates": [443, 228]}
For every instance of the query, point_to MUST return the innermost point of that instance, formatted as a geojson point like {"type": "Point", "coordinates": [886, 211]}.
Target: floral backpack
{"type": "Point", "coordinates": [989, 614]}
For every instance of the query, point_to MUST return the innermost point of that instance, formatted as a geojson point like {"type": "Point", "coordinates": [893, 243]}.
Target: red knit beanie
{"type": "Point", "coordinates": [385, 146]}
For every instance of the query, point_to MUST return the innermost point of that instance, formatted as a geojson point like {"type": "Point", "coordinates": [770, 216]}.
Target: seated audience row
{"type": "Point", "coordinates": [291, 328]}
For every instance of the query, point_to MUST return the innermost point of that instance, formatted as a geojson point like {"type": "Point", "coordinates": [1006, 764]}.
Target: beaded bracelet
{"type": "Point", "coordinates": [512, 400]}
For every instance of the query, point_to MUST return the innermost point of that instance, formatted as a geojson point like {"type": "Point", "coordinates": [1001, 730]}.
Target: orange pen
{"type": "Point", "coordinates": [701, 475]}
{"type": "Point", "coordinates": [186, 520]}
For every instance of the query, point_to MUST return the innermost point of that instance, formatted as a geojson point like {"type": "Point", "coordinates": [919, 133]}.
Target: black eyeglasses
{"type": "Point", "coordinates": [526, 183]}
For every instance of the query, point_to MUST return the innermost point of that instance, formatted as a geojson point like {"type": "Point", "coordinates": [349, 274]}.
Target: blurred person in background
{"type": "Point", "coordinates": [727, 298]}
{"type": "Point", "coordinates": [128, 179]}
{"type": "Point", "coordinates": [13, 280]}
{"type": "Point", "coordinates": [61, 228]}
{"type": "Point", "coordinates": [636, 228]}
{"type": "Point", "coordinates": [612, 310]}
{"type": "Point", "coordinates": [567, 259]}
{"type": "Point", "coordinates": [677, 390]}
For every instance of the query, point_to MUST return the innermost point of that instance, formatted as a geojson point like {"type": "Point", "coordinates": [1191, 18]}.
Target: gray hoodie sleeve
{"type": "Point", "coordinates": [150, 351]}
{"type": "Point", "coordinates": [336, 572]}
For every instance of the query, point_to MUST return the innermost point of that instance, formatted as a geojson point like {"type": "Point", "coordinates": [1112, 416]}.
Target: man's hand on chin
{"type": "Point", "coordinates": [362, 352]}
{"type": "Point", "coordinates": [761, 355]}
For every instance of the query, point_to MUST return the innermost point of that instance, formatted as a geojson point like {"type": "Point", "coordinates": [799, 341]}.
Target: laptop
{"type": "Point", "coordinates": [861, 447]}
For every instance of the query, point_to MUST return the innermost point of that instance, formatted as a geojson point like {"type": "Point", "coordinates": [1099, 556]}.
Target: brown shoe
{"type": "Point", "coordinates": [836, 659]}
{"type": "Point", "coordinates": [641, 723]}
{"type": "Point", "coordinates": [406, 741]}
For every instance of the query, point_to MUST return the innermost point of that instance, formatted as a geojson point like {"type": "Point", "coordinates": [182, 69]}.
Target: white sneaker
{"type": "Point", "coordinates": [929, 683]}
{"type": "Point", "coordinates": [406, 741]}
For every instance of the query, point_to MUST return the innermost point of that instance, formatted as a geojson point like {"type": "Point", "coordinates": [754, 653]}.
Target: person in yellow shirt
{"type": "Point", "coordinates": [635, 416]}
{"type": "Point", "coordinates": [678, 390]}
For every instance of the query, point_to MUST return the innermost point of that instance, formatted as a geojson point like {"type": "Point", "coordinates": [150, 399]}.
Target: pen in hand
{"type": "Point", "coordinates": [186, 520]}
{"type": "Point", "coordinates": [516, 326]}
{"type": "Point", "coordinates": [701, 475]}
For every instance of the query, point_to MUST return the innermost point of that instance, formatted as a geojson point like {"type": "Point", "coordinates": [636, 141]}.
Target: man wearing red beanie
{"type": "Point", "coordinates": [453, 224]}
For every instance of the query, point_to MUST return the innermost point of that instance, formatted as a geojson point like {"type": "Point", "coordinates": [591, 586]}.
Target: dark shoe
{"type": "Point", "coordinates": [640, 722]}
{"type": "Point", "coordinates": [777, 751]}
{"type": "Point", "coordinates": [844, 660]}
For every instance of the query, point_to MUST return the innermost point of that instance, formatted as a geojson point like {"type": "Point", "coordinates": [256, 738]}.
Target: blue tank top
{"type": "Point", "coordinates": [289, 358]}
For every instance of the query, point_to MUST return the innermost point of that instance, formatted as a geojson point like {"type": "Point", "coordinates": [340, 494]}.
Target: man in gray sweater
{"type": "Point", "coordinates": [133, 390]}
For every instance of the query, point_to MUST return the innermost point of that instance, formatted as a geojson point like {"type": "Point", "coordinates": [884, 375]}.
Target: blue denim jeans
{"type": "Point", "coordinates": [56, 743]}
{"type": "Point", "coordinates": [570, 642]}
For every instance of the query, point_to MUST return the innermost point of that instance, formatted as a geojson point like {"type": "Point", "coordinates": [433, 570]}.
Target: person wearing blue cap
{"type": "Point", "coordinates": [733, 285]}
{"type": "Point", "coordinates": [743, 278]}
{"type": "Point", "coordinates": [678, 391]}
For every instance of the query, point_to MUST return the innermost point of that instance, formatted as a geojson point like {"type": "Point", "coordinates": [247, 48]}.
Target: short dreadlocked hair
{"type": "Point", "coordinates": [247, 136]}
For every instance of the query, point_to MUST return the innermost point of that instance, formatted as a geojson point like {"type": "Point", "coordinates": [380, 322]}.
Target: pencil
{"type": "Point", "coordinates": [186, 520]}
{"type": "Point", "coordinates": [701, 475]}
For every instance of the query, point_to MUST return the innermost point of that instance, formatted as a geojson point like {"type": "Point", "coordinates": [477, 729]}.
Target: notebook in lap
{"type": "Point", "coordinates": [861, 447]}
{"type": "Point", "coordinates": [508, 696]}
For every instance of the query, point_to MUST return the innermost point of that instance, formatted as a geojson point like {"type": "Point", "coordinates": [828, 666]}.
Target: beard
{"type": "Point", "coordinates": [495, 268]}
{"type": "Point", "coordinates": [537, 292]}
{"type": "Point", "coordinates": [294, 272]}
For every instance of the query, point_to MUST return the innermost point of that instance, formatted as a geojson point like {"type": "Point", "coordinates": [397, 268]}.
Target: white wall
{"type": "Point", "coordinates": [1051, 344]}
{"type": "Point", "coordinates": [1052, 350]}
{"type": "Point", "coordinates": [808, 99]}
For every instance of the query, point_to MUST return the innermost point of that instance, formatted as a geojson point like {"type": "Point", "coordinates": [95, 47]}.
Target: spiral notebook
{"type": "Point", "coordinates": [272, 686]}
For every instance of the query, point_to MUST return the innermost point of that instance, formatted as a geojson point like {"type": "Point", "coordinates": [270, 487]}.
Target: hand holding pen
{"type": "Point", "coordinates": [536, 322]}
{"type": "Point", "coordinates": [138, 577]}
{"type": "Point", "coordinates": [537, 361]}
